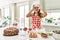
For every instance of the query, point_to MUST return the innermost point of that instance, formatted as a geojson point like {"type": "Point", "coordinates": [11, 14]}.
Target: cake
{"type": "Point", "coordinates": [11, 31]}
{"type": "Point", "coordinates": [32, 35]}
{"type": "Point", "coordinates": [44, 35]}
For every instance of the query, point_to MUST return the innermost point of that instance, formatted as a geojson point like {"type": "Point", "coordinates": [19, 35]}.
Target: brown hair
{"type": "Point", "coordinates": [39, 13]}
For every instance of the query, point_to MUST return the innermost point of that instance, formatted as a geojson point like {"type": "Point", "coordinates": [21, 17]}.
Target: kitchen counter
{"type": "Point", "coordinates": [50, 24]}
{"type": "Point", "coordinates": [19, 37]}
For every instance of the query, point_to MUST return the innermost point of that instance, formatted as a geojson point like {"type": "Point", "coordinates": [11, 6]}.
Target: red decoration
{"type": "Point", "coordinates": [25, 29]}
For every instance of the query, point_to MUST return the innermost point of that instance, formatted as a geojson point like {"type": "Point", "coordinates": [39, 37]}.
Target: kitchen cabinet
{"type": "Point", "coordinates": [52, 4]}
{"type": "Point", "coordinates": [50, 28]}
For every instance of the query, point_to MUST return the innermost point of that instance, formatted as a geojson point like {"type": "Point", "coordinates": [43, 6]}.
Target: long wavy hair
{"type": "Point", "coordinates": [39, 13]}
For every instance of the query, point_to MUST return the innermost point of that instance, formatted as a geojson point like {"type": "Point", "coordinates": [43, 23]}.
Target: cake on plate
{"type": "Point", "coordinates": [32, 34]}
{"type": "Point", "coordinates": [11, 31]}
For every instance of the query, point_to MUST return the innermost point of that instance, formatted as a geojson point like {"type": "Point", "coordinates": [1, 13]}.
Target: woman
{"type": "Point", "coordinates": [36, 16]}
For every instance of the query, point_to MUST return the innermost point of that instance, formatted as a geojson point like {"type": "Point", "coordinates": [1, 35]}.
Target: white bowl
{"type": "Point", "coordinates": [55, 35]}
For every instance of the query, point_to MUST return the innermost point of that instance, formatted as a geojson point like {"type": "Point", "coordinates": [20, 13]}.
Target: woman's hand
{"type": "Point", "coordinates": [43, 13]}
{"type": "Point", "coordinates": [30, 13]}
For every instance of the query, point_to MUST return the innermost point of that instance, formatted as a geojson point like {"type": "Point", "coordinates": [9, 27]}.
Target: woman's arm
{"type": "Point", "coordinates": [43, 14]}
{"type": "Point", "coordinates": [29, 14]}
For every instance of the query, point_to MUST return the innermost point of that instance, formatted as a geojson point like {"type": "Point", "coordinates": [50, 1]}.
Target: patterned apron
{"type": "Point", "coordinates": [36, 21]}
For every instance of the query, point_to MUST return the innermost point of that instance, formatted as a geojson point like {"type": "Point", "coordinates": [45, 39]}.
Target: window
{"type": "Point", "coordinates": [23, 9]}
{"type": "Point", "coordinates": [26, 19]}
{"type": "Point", "coordinates": [53, 14]}
{"type": "Point", "coordinates": [6, 11]}
{"type": "Point", "coordinates": [12, 12]}
{"type": "Point", "coordinates": [6, 14]}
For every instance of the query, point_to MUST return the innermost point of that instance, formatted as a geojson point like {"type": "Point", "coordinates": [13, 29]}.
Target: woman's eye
{"type": "Point", "coordinates": [36, 7]}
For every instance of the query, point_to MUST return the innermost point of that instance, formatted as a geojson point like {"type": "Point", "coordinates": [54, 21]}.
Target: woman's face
{"type": "Point", "coordinates": [36, 8]}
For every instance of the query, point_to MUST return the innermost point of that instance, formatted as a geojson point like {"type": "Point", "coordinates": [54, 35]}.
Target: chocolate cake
{"type": "Point", "coordinates": [11, 31]}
